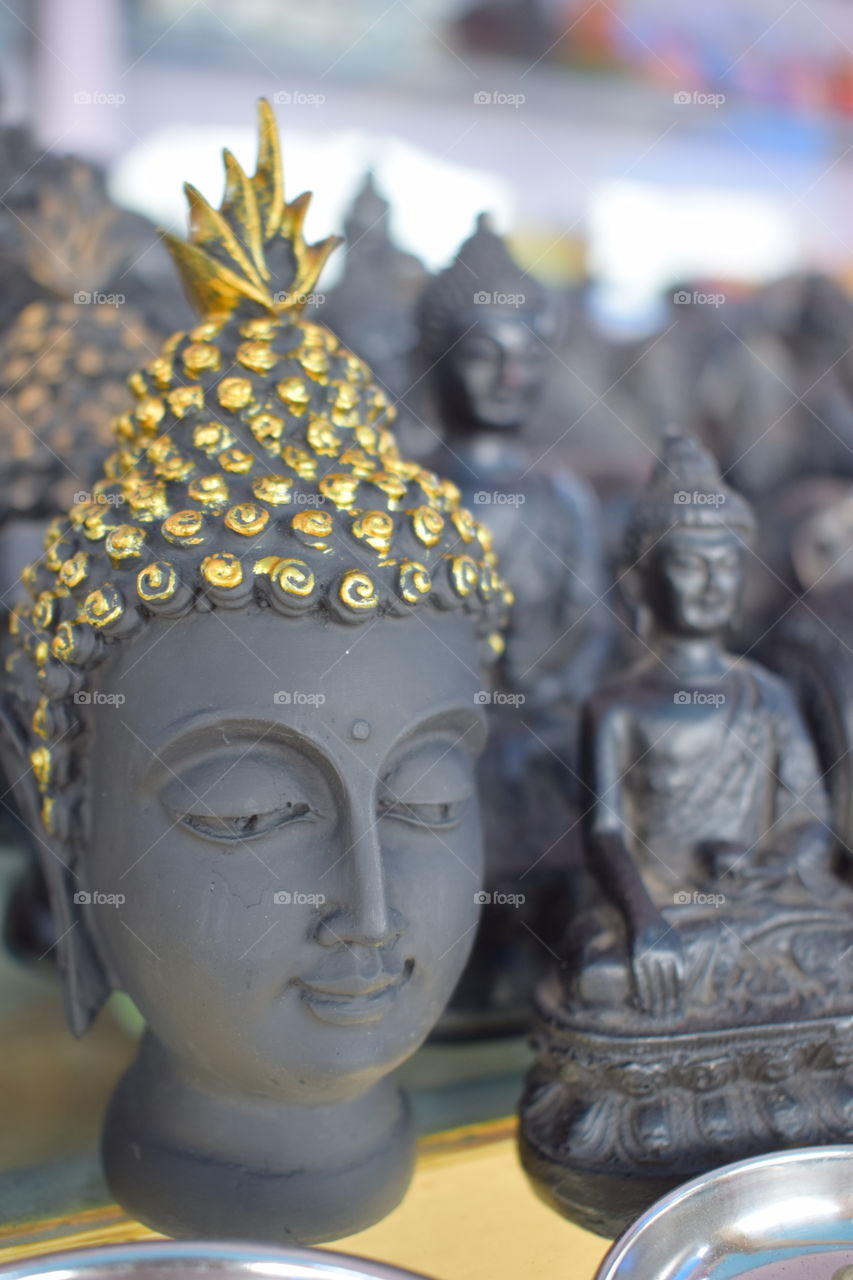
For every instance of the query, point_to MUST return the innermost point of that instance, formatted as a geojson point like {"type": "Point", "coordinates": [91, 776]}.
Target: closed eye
{"type": "Point", "coordinates": [687, 563]}
{"type": "Point", "coordinates": [445, 814]}
{"type": "Point", "coordinates": [243, 826]}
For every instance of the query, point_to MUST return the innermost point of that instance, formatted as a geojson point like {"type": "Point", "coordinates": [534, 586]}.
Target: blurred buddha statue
{"type": "Point", "coordinates": [487, 332]}
{"type": "Point", "coordinates": [766, 381]}
{"type": "Point", "coordinates": [64, 363]}
{"type": "Point", "coordinates": [803, 548]}
{"type": "Point", "coordinates": [371, 308]}
{"type": "Point", "coordinates": [811, 316]}
{"type": "Point", "coordinates": [141, 273]}
{"type": "Point", "coordinates": [808, 637]}
{"type": "Point", "coordinates": [696, 1014]}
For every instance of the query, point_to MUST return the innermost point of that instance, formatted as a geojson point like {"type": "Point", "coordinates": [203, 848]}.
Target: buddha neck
{"type": "Point", "coordinates": [190, 1158]}
{"type": "Point", "coordinates": [485, 452]}
{"type": "Point", "coordinates": [689, 657]}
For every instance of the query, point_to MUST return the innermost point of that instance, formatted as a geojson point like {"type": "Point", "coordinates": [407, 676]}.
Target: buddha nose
{"type": "Point", "coordinates": [362, 914]}
{"type": "Point", "coordinates": [717, 577]}
{"type": "Point", "coordinates": [513, 373]}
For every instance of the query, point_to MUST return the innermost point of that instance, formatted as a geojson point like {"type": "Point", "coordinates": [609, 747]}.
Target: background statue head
{"type": "Point", "coordinates": [487, 330]}
{"type": "Point", "coordinates": [366, 220]}
{"type": "Point", "coordinates": [65, 359]}
{"type": "Point", "coordinates": [371, 308]}
{"type": "Point", "coordinates": [685, 541]}
{"type": "Point", "coordinates": [245, 684]}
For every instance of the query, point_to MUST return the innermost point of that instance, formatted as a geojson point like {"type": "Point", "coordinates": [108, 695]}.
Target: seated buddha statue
{"type": "Point", "coordinates": [241, 712]}
{"type": "Point", "coordinates": [487, 335]}
{"type": "Point", "coordinates": [702, 1008]}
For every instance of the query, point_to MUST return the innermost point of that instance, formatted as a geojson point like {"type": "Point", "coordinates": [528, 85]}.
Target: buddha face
{"type": "Point", "coordinates": [692, 580]}
{"type": "Point", "coordinates": [496, 369]}
{"type": "Point", "coordinates": [288, 809]}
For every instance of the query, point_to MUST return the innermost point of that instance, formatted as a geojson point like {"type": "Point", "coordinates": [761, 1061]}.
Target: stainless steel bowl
{"type": "Point", "coordinates": [790, 1214]}
{"type": "Point", "coordinates": [200, 1260]}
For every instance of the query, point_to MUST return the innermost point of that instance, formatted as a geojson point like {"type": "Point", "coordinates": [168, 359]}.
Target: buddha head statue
{"type": "Point", "coordinates": [245, 686]}
{"type": "Point", "coordinates": [685, 543]}
{"type": "Point", "coordinates": [371, 307]}
{"type": "Point", "coordinates": [486, 330]}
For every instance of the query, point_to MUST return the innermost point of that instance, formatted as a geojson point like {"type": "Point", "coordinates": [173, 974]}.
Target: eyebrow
{"type": "Point", "coordinates": [467, 721]}
{"type": "Point", "coordinates": [209, 732]}
{"type": "Point", "coordinates": [204, 733]}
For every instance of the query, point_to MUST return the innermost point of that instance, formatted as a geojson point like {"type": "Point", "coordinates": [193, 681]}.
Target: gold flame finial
{"type": "Point", "coordinates": [226, 259]}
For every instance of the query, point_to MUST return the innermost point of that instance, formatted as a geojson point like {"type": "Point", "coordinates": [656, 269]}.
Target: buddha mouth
{"type": "Point", "coordinates": [354, 998]}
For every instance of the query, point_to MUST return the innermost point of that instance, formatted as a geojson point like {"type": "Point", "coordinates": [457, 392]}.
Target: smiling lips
{"type": "Point", "coordinates": [354, 998]}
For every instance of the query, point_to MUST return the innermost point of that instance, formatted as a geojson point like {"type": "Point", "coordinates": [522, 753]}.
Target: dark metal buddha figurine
{"type": "Point", "coordinates": [804, 547]}
{"type": "Point", "coordinates": [142, 273]}
{"type": "Point", "coordinates": [811, 316]}
{"type": "Point", "coordinates": [809, 640]}
{"type": "Point", "coordinates": [23, 167]}
{"type": "Point", "coordinates": [244, 703]}
{"type": "Point", "coordinates": [371, 308]}
{"type": "Point", "coordinates": [764, 381]}
{"type": "Point", "coordinates": [487, 330]}
{"type": "Point", "coordinates": [64, 362]}
{"type": "Point", "coordinates": [703, 1008]}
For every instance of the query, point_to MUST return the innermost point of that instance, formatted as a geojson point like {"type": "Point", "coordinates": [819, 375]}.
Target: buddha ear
{"type": "Point", "coordinates": [85, 983]}
{"type": "Point", "coordinates": [630, 577]}
{"type": "Point", "coordinates": [554, 324]}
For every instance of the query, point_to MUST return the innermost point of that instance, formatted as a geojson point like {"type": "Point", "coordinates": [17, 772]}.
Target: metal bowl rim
{"type": "Point", "coordinates": [94, 1257]}
{"type": "Point", "coordinates": [624, 1245]}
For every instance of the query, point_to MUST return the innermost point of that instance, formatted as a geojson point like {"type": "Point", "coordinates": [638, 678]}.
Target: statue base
{"type": "Point", "coordinates": [611, 1122]}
